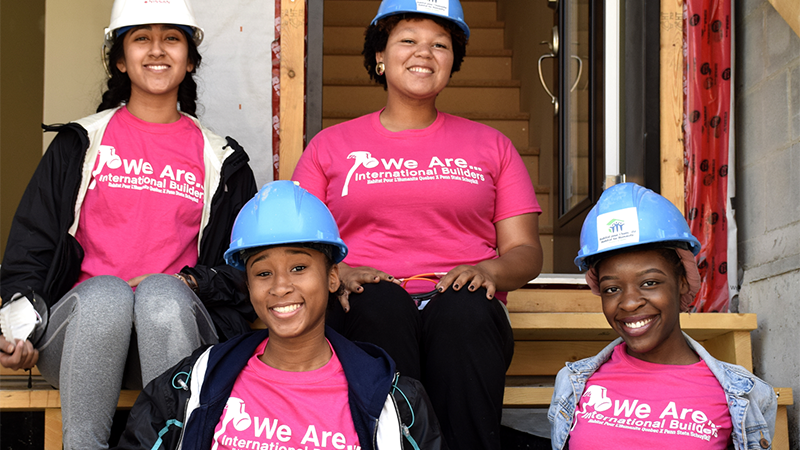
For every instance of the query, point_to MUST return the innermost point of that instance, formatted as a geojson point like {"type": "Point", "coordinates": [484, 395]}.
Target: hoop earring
{"type": "Point", "coordinates": [380, 68]}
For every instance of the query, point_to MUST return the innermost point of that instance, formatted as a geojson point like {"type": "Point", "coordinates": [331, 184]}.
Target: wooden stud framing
{"type": "Point", "coordinates": [672, 143]}
{"type": "Point", "coordinates": [292, 105]}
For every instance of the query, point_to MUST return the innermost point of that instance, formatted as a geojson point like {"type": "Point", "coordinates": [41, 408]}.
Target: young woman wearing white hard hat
{"type": "Point", "coordinates": [654, 387]}
{"type": "Point", "coordinates": [415, 190]}
{"type": "Point", "coordinates": [140, 188]}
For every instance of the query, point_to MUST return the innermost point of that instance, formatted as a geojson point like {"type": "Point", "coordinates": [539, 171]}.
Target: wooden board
{"type": "Point", "coordinates": [790, 11]}
{"type": "Point", "coordinates": [593, 326]}
{"type": "Point", "coordinates": [553, 300]}
{"type": "Point", "coordinates": [671, 96]}
{"type": "Point", "coordinates": [292, 103]}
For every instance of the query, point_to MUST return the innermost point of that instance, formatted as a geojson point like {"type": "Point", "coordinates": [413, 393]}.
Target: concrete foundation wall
{"type": "Point", "coordinates": [767, 93]}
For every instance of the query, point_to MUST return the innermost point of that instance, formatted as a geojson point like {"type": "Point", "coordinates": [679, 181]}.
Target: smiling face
{"type": "Point", "coordinates": [156, 60]}
{"type": "Point", "coordinates": [418, 59]}
{"type": "Point", "coordinates": [289, 289]}
{"type": "Point", "coordinates": [641, 301]}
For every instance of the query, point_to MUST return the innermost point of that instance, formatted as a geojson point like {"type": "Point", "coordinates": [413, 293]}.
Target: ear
{"type": "Point", "coordinates": [189, 67]}
{"type": "Point", "coordinates": [684, 285]}
{"type": "Point", "coordinates": [333, 279]}
{"type": "Point", "coordinates": [121, 65]}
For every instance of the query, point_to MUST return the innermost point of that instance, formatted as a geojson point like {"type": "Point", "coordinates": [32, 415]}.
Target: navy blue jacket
{"type": "Point", "coordinates": [159, 416]}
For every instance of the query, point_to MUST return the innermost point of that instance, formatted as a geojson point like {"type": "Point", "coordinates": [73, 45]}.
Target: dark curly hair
{"type": "Point", "coordinates": [119, 84]}
{"type": "Point", "coordinates": [376, 37]}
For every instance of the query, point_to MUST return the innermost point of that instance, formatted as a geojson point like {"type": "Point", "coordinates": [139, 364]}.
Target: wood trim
{"type": "Point", "coordinates": [671, 117]}
{"type": "Point", "coordinates": [292, 105]}
{"type": "Point", "coordinates": [790, 11]}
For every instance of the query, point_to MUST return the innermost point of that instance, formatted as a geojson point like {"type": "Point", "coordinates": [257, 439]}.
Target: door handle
{"type": "Point", "coordinates": [580, 72]}
{"type": "Point", "coordinates": [553, 46]}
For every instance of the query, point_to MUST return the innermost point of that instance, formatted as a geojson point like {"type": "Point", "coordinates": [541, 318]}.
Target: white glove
{"type": "Point", "coordinates": [18, 319]}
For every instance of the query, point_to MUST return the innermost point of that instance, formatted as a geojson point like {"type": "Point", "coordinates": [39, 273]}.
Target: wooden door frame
{"type": "Point", "coordinates": [671, 102]}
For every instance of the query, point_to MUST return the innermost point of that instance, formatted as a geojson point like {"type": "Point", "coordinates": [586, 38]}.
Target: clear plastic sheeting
{"type": "Point", "coordinates": [235, 77]}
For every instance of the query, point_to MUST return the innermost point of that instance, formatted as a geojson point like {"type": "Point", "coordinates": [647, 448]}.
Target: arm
{"type": "Point", "coordinates": [38, 229]}
{"type": "Point", "coordinates": [519, 260]}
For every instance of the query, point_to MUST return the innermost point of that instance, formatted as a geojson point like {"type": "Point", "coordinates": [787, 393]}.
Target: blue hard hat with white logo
{"type": "Point", "coordinates": [629, 215]}
{"type": "Point", "coordinates": [447, 9]}
{"type": "Point", "coordinates": [283, 213]}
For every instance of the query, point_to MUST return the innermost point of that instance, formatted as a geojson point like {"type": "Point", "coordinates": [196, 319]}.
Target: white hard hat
{"type": "Point", "coordinates": [129, 13]}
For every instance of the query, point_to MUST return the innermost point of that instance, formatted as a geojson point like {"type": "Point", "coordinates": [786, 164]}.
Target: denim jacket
{"type": "Point", "coordinates": [753, 428]}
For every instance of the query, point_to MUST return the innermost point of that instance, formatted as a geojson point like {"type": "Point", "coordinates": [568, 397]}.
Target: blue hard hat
{"type": "Point", "coordinates": [629, 215]}
{"type": "Point", "coordinates": [447, 9]}
{"type": "Point", "coordinates": [283, 213]}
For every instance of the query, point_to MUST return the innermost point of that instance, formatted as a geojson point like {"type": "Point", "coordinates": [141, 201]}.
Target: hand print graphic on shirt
{"type": "Point", "coordinates": [108, 157]}
{"type": "Point", "coordinates": [361, 158]}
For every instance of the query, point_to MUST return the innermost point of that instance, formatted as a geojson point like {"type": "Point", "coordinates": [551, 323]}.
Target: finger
{"type": "Point", "coordinates": [491, 289]}
{"type": "Point", "coordinates": [6, 346]}
{"type": "Point", "coordinates": [29, 357]}
{"type": "Point", "coordinates": [448, 278]}
{"type": "Point", "coordinates": [133, 282]}
{"type": "Point", "coordinates": [344, 300]}
{"type": "Point", "coordinates": [463, 279]}
{"type": "Point", "coordinates": [476, 282]}
{"type": "Point", "coordinates": [353, 286]}
{"type": "Point", "coordinates": [12, 360]}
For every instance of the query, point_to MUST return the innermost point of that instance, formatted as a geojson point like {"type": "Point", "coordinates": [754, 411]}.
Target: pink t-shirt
{"type": "Point", "coordinates": [417, 201]}
{"type": "Point", "coordinates": [630, 403]}
{"type": "Point", "coordinates": [273, 409]}
{"type": "Point", "coordinates": [142, 211]}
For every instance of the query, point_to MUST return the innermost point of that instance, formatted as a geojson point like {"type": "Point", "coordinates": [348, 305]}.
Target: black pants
{"type": "Point", "coordinates": [459, 346]}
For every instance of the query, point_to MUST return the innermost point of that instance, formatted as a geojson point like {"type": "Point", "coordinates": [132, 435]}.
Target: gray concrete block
{"type": "Point", "coordinates": [744, 8]}
{"type": "Point", "coordinates": [774, 92]}
{"type": "Point", "coordinates": [782, 44]}
{"type": "Point", "coordinates": [782, 188]}
{"type": "Point", "coordinates": [769, 247]}
{"type": "Point", "coordinates": [776, 355]}
{"type": "Point", "coordinates": [750, 54]}
{"type": "Point", "coordinates": [794, 86]}
{"type": "Point", "coordinates": [749, 129]}
{"type": "Point", "coordinates": [750, 214]}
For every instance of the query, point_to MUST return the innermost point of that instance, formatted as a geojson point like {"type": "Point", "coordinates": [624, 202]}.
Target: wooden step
{"type": "Point", "coordinates": [453, 83]}
{"type": "Point", "coordinates": [455, 100]}
{"type": "Point", "coordinates": [588, 326]}
{"type": "Point", "coordinates": [473, 67]}
{"type": "Point", "coordinates": [351, 39]}
{"type": "Point", "coordinates": [514, 129]}
{"type": "Point", "coordinates": [352, 51]}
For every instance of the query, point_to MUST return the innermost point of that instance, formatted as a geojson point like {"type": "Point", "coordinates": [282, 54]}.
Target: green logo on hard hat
{"type": "Point", "coordinates": [615, 225]}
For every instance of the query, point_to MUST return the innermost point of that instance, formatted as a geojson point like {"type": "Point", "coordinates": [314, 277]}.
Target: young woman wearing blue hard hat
{"type": "Point", "coordinates": [139, 188]}
{"type": "Point", "coordinates": [654, 387]}
{"type": "Point", "coordinates": [312, 387]}
{"type": "Point", "coordinates": [418, 191]}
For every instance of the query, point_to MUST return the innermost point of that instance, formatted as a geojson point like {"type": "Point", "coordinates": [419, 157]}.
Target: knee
{"type": "Point", "coordinates": [461, 311]}
{"type": "Point", "coordinates": [382, 300]}
{"type": "Point", "coordinates": [164, 299]}
{"type": "Point", "coordinates": [105, 301]}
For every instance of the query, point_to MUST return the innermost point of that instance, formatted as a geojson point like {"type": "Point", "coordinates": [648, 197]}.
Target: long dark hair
{"type": "Point", "coordinates": [377, 36]}
{"type": "Point", "coordinates": [119, 84]}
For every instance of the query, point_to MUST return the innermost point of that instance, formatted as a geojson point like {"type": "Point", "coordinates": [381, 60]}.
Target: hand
{"type": "Point", "coordinates": [19, 356]}
{"type": "Point", "coordinates": [133, 282]}
{"type": "Point", "coordinates": [352, 279]}
{"type": "Point", "coordinates": [473, 277]}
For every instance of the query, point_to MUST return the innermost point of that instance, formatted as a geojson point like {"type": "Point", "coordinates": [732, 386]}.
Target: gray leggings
{"type": "Point", "coordinates": [87, 344]}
